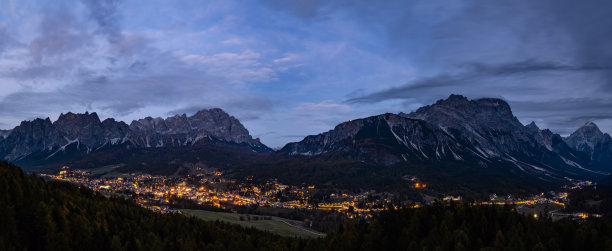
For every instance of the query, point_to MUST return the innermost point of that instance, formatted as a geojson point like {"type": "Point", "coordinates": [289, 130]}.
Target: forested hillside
{"type": "Point", "coordinates": [465, 227]}
{"type": "Point", "coordinates": [40, 215]}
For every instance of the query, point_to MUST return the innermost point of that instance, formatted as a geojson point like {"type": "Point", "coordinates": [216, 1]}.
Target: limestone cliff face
{"type": "Point", "coordinates": [590, 140]}
{"type": "Point", "coordinates": [213, 124]}
{"type": "Point", "coordinates": [482, 133]}
{"type": "Point", "coordinates": [89, 133]}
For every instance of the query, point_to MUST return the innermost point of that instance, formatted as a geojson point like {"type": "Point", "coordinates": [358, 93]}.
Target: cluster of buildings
{"type": "Point", "coordinates": [210, 188]}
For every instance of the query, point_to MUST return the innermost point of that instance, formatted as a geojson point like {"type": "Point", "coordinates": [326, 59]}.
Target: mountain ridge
{"type": "Point", "coordinates": [481, 133]}
{"type": "Point", "coordinates": [88, 133]}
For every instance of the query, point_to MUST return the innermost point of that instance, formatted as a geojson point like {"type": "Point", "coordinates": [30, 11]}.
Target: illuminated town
{"type": "Point", "coordinates": [213, 190]}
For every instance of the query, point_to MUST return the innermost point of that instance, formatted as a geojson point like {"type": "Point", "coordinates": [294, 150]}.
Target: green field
{"type": "Point", "coordinates": [275, 225]}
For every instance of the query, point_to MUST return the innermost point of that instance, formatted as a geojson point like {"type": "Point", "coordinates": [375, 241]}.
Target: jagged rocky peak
{"type": "Point", "coordinates": [368, 139]}
{"type": "Point", "coordinates": [487, 123]}
{"type": "Point", "coordinates": [542, 137]}
{"type": "Point", "coordinates": [459, 110]}
{"type": "Point", "coordinates": [212, 126]}
{"type": "Point", "coordinates": [82, 127]}
{"type": "Point", "coordinates": [29, 136]}
{"type": "Point", "coordinates": [35, 127]}
{"type": "Point", "coordinates": [71, 120]}
{"type": "Point", "coordinates": [590, 130]}
{"type": "Point", "coordinates": [178, 124]}
{"type": "Point", "coordinates": [149, 124]}
{"type": "Point", "coordinates": [220, 124]}
{"type": "Point", "coordinates": [204, 123]}
{"type": "Point", "coordinates": [532, 126]}
{"type": "Point", "coordinates": [586, 138]}
{"type": "Point", "coordinates": [78, 116]}
{"type": "Point", "coordinates": [114, 130]}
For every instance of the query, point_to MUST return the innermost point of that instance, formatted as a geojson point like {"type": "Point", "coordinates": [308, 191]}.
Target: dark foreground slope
{"type": "Point", "coordinates": [463, 227]}
{"type": "Point", "coordinates": [39, 215]}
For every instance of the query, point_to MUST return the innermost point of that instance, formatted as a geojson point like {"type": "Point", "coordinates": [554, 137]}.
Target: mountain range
{"type": "Point", "coordinates": [456, 136]}
{"type": "Point", "coordinates": [40, 139]}
{"type": "Point", "coordinates": [481, 133]}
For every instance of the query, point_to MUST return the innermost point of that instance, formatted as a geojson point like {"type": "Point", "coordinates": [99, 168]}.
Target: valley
{"type": "Point", "coordinates": [212, 190]}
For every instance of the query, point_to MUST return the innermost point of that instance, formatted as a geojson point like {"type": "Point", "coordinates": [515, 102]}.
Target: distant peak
{"type": "Point", "coordinates": [590, 127]}
{"type": "Point", "coordinates": [452, 100]}
{"type": "Point", "coordinates": [590, 124]}
{"type": "Point", "coordinates": [218, 111]}
{"type": "Point", "coordinates": [70, 115]}
{"type": "Point", "coordinates": [36, 121]}
{"type": "Point", "coordinates": [456, 97]}
{"type": "Point", "coordinates": [533, 125]}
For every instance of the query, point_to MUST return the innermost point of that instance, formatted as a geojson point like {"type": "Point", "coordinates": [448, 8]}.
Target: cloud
{"type": "Point", "coordinates": [6, 40]}
{"type": "Point", "coordinates": [477, 76]}
{"type": "Point", "coordinates": [301, 8]}
{"type": "Point", "coordinates": [122, 107]}
{"type": "Point", "coordinates": [264, 134]}
{"type": "Point", "coordinates": [532, 65]}
{"type": "Point", "coordinates": [60, 34]}
{"type": "Point", "coordinates": [188, 110]}
{"type": "Point", "coordinates": [243, 67]}
{"type": "Point", "coordinates": [86, 61]}
{"type": "Point", "coordinates": [289, 57]}
{"type": "Point", "coordinates": [321, 107]}
{"type": "Point", "coordinates": [299, 136]}
{"type": "Point", "coordinates": [439, 34]}
{"type": "Point", "coordinates": [322, 115]}
{"type": "Point", "coordinates": [247, 107]}
{"type": "Point", "coordinates": [105, 13]}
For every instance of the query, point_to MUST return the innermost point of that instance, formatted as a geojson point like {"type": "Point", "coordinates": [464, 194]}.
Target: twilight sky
{"type": "Point", "coordinates": [287, 69]}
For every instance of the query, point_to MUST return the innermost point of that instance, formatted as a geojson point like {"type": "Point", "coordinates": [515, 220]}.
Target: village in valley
{"type": "Point", "coordinates": [211, 189]}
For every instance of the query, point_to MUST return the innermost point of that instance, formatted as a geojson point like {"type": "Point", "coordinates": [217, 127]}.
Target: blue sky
{"type": "Point", "coordinates": [288, 69]}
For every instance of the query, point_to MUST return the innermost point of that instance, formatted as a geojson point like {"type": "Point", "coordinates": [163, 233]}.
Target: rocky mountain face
{"type": "Point", "coordinates": [182, 130]}
{"type": "Point", "coordinates": [387, 139]}
{"type": "Point", "coordinates": [481, 133]}
{"type": "Point", "coordinates": [4, 134]}
{"type": "Point", "coordinates": [86, 133]}
{"type": "Point", "coordinates": [590, 140]}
